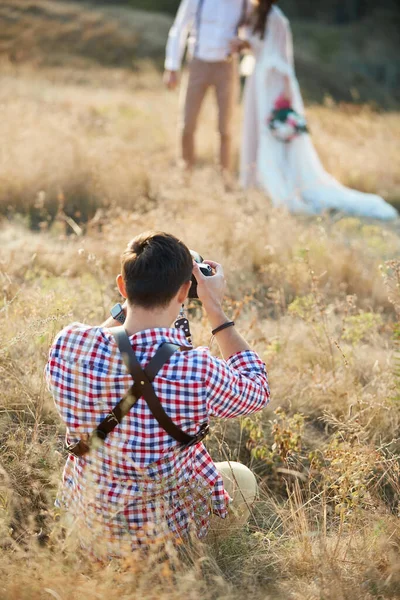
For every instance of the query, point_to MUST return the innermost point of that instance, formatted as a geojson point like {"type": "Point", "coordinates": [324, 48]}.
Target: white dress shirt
{"type": "Point", "coordinates": [210, 25]}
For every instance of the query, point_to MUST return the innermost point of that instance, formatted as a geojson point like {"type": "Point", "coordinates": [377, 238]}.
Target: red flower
{"type": "Point", "coordinates": [282, 102]}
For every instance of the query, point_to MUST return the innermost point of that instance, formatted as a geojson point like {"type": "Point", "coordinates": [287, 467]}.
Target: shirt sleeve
{"type": "Point", "coordinates": [238, 386]}
{"type": "Point", "coordinates": [178, 34]}
{"type": "Point", "coordinates": [76, 350]}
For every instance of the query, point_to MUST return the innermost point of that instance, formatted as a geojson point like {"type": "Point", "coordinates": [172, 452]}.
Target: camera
{"type": "Point", "coordinates": [204, 268]}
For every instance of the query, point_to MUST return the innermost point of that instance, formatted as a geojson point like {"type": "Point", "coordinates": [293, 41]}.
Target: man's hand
{"type": "Point", "coordinates": [211, 291]}
{"type": "Point", "coordinates": [237, 45]}
{"type": "Point", "coordinates": [171, 79]}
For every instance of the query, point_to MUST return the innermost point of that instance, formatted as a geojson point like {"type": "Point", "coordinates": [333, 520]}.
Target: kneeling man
{"type": "Point", "coordinates": [133, 477]}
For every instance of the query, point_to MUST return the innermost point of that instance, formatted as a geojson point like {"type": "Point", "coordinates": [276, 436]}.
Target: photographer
{"type": "Point", "coordinates": [138, 471]}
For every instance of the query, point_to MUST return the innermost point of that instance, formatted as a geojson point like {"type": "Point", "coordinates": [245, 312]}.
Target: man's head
{"type": "Point", "coordinates": [156, 267]}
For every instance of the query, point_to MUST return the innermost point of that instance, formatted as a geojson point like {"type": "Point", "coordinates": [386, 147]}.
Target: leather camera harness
{"type": "Point", "coordinates": [142, 387]}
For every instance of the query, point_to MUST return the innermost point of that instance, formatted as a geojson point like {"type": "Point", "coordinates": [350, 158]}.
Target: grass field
{"type": "Point", "coordinates": [88, 163]}
{"type": "Point", "coordinates": [357, 62]}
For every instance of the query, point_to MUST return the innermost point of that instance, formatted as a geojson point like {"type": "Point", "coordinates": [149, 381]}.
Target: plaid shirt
{"type": "Point", "coordinates": [141, 484]}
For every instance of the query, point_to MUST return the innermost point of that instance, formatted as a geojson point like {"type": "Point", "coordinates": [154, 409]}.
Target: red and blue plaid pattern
{"type": "Point", "coordinates": [141, 474]}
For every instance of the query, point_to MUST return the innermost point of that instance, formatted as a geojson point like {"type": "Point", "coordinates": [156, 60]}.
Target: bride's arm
{"type": "Point", "coordinates": [285, 42]}
{"type": "Point", "coordinates": [284, 45]}
{"type": "Point", "coordinates": [284, 48]}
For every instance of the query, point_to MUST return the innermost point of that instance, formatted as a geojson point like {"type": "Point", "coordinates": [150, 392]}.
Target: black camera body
{"type": "Point", "coordinates": [204, 268]}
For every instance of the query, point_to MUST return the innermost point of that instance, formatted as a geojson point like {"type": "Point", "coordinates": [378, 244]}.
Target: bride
{"type": "Point", "coordinates": [290, 173]}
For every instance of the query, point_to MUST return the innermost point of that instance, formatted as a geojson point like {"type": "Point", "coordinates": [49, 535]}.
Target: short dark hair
{"type": "Point", "coordinates": [154, 266]}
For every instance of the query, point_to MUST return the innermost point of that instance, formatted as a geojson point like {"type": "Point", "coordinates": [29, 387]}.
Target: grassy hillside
{"type": "Point", "coordinates": [356, 62]}
{"type": "Point", "coordinates": [45, 32]}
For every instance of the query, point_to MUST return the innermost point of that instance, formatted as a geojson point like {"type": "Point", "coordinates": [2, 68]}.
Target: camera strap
{"type": "Point", "coordinates": [183, 324]}
{"type": "Point", "coordinates": [142, 387]}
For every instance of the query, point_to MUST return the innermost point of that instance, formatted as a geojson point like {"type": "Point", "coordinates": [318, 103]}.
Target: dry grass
{"type": "Point", "coordinates": [52, 33]}
{"type": "Point", "coordinates": [316, 297]}
{"type": "Point", "coordinates": [355, 62]}
{"type": "Point", "coordinates": [65, 140]}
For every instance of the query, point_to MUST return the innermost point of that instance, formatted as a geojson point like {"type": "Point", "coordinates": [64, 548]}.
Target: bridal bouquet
{"type": "Point", "coordinates": [284, 123]}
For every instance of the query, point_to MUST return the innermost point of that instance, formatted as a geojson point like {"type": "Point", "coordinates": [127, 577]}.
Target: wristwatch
{"type": "Point", "coordinates": [117, 313]}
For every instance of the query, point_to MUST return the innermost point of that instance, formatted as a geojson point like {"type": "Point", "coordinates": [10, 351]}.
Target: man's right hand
{"type": "Point", "coordinates": [211, 291]}
{"type": "Point", "coordinates": [171, 79]}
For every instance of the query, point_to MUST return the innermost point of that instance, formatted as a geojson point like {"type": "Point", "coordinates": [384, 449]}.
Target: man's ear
{"type": "Point", "coordinates": [183, 292]}
{"type": "Point", "coordinates": [121, 286]}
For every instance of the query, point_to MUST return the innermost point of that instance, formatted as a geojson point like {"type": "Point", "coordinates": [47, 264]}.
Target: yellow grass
{"type": "Point", "coordinates": [317, 298]}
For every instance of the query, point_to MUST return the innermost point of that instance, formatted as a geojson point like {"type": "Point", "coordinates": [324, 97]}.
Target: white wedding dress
{"type": "Point", "coordinates": [291, 174]}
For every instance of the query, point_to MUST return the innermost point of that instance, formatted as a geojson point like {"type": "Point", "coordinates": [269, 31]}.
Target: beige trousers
{"type": "Point", "coordinates": [241, 485]}
{"type": "Point", "coordinates": [223, 77]}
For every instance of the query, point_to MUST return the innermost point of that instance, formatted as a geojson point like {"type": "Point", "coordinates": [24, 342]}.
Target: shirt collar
{"type": "Point", "coordinates": [159, 335]}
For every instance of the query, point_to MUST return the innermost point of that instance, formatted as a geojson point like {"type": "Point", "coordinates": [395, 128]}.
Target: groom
{"type": "Point", "coordinates": [210, 25]}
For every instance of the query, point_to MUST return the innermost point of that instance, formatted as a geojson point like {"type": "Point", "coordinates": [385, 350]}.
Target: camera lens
{"type": "Point", "coordinates": [205, 269]}
{"type": "Point", "coordinates": [196, 256]}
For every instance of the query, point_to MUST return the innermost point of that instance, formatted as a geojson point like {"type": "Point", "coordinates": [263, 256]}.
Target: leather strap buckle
{"type": "Point", "coordinates": [199, 436]}
{"type": "Point", "coordinates": [78, 449]}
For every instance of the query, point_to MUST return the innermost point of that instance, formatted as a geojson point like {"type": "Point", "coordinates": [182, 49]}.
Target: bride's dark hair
{"type": "Point", "coordinates": [261, 15]}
